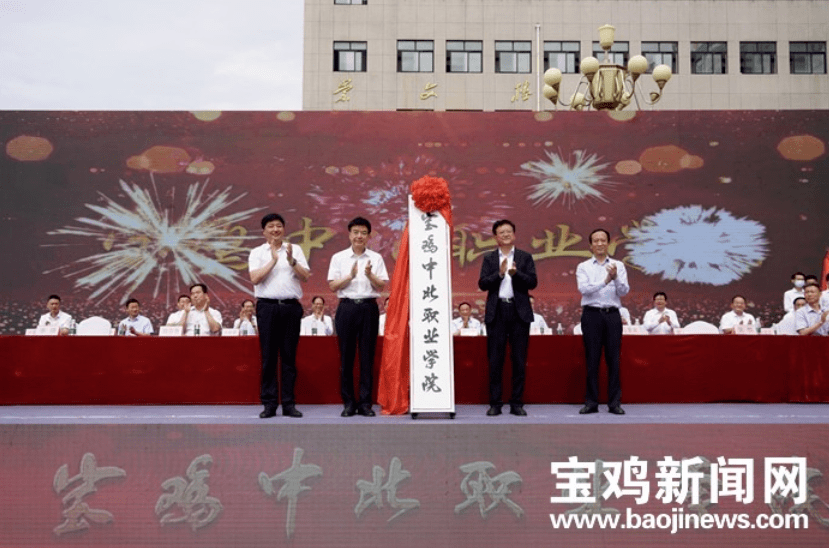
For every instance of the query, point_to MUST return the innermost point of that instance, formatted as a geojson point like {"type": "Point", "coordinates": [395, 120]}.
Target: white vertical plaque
{"type": "Point", "coordinates": [432, 371]}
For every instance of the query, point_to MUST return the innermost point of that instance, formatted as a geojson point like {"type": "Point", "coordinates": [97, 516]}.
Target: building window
{"type": "Point", "coordinates": [350, 56]}
{"type": "Point", "coordinates": [355, 2]}
{"type": "Point", "coordinates": [618, 54]}
{"type": "Point", "coordinates": [415, 55]}
{"type": "Point", "coordinates": [661, 53]}
{"type": "Point", "coordinates": [464, 55]}
{"type": "Point", "coordinates": [807, 57]}
{"type": "Point", "coordinates": [758, 57]}
{"type": "Point", "coordinates": [709, 58]}
{"type": "Point", "coordinates": [513, 56]}
{"type": "Point", "coordinates": [562, 55]}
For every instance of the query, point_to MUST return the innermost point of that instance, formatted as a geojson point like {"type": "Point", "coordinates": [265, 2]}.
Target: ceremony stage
{"type": "Point", "coordinates": [216, 370]}
{"type": "Point", "coordinates": [215, 476]}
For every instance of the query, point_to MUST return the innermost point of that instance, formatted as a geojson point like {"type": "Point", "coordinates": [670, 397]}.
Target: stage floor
{"type": "Point", "coordinates": [708, 413]}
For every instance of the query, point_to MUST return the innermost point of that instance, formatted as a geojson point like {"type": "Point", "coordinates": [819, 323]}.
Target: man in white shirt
{"type": "Point", "coordinates": [317, 323]}
{"type": "Point", "coordinates": [737, 316]}
{"type": "Point", "coordinates": [810, 319]}
{"type": "Point", "coordinates": [135, 325]}
{"type": "Point", "coordinates": [177, 317]}
{"type": "Point", "coordinates": [538, 320]}
{"type": "Point", "coordinates": [246, 322]}
{"type": "Point", "coordinates": [660, 320]}
{"type": "Point", "coordinates": [798, 281]}
{"type": "Point", "coordinates": [277, 269]}
{"type": "Point", "coordinates": [466, 321]}
{"type": "Point", "coordinates": [55, 316]}
{"type": "Point", "coordinates": [824, 297]}
{"type": "Point", "coordinates": [357, 275]}
{"type": "Point", "coordinates": [786, 324]}
{"type": "Point", "coordinates": [198, 318]}
{"type": "Point", "coordinates": [602, 282]}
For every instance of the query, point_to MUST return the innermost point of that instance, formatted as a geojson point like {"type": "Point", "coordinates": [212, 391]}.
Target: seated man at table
{"type": "Point", "coordinates": [810, 319]}
{"type": "Point", "coordinates": [786, 324]}
{"type": "Point", "coordinates": [539, 324]}
{"type": "Point", "coordinates": [660, 320]}
{"type": "Point", "coordinates": [55, 316]}
{"type": "Point", "coordinates": [177, 316]}
{"type": "Point", "coordinates": [135, 325]}
{"type": "Point", "coordinates": [246, 322]}
{"type": "Point", "coordinates": [465, 321]}
{"type": "Point", "coordinates": [737, 316]}
{"type": "Point", "coordinates": [317, 323]}
{"type": "Point", "coordinates": [198, 317]}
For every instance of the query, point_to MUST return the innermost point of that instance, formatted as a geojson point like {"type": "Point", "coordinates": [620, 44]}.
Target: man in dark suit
{"type": "Point", "coordinates": [508, 274]}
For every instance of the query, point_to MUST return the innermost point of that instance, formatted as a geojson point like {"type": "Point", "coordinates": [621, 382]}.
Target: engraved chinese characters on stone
{"type": "Point", "coordinates": [189, 497]}
{"type": "Point", "coordinates": [292, 479]}
{"type": "Point", "coordinates": [77, 514]}
{"type": "Point", "coordinates": [371, 492]}
{"type": "Point", "coordinates": [477, 485]}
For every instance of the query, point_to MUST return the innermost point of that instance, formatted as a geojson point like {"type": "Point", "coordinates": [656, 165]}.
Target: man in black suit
{"type": "Point", "coordinates": [508, 274]}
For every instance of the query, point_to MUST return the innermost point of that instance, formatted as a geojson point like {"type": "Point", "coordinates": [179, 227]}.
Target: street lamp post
{"type": "Point", "coordinates": [606, 86]}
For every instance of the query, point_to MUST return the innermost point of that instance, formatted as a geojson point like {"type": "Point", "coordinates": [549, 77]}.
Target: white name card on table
{"type": "Point", "coordinates": [679, 330]}
{"type": "Point", "coordinates": [230, 332]}
{"type": "Point", "coordinates": [745, 330]}
{"type": "Point", "coordinates": [31, 331]}
{"type": "Point", "coordinates": [170, 331]}
{"type": "Point", "coordinates": [469, 332]}
{"type": "Point", "coordinates": [633, 330]}
{"type": "Point", "coordinates": [537, 330]}
{"type": "Point", "coordinates": [47, 330]}
{"type": "Point", "coordinates": [767, 331]}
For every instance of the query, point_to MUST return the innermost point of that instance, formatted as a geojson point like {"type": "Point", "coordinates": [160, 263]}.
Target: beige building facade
{"type": "Point", "coordinates": [490, 55]}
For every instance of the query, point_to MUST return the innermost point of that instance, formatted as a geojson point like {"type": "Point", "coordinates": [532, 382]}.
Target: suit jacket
{"type": "Point", "coordinates": [522, 282]}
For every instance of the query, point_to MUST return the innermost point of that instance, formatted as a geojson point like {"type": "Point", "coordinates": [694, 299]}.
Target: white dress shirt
{"type": "Point", "coordinates": [824, 300]}
{"type": "Point", "coordinates": [175, 317]}
{"type": "Point", "coordinates": [789, 297]}
{"type": "Point", "coordinates": [360, 287]}
{"type": "Point", "coordinates": [323, 326]}
{"type": "Point", "coordinates": [251, 326]}
{"type": "Point", "coordinates": [457, 325]}
{"type": "Point", "coordinates": [539, 323]}
{"type": "Point", "coordinates": [806, 316]}
{"type": "Point", "coordinates": [591, 275]}
{"type": "Point", "coordinates": [505, 290]}
{"type": "Point", "coordinates": [654, 327]}
{"type": "Point", "coordinates": [63, 320]}
{"type": "Point", "coordinates": [381, 329]}
{"type": "Point", "coordinates": [198, 317]}
{"type": "Point", "coordinates": [142, 324]}
{"type": "Point", "coordinates": [730, 319]}
{"type": "Point", "coordinates": [281, 282]}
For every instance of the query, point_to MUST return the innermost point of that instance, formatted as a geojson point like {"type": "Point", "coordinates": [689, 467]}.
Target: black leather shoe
{"type": "Point", "coordinates": [493, 411]}
{"type": "Point", "coordinates": [292, 412]}
{"type": "Point", "coordinates": [586, 410]}
{"type": "Point", "coordinates": [517, 411]}
{"type": "Point", "coordinates": [348, 412]}
{"type": "Point", "coordinates": [616, 410]}
{"type": "Point", "coordinates": [268, 413]}
{"type": "Point", "coordinates": [365, 411]}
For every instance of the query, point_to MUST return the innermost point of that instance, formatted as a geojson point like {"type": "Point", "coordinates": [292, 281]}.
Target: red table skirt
{"type": "Point", "coordinates": [215, 370]}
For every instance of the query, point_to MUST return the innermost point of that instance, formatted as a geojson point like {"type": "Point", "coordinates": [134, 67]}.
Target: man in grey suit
{"type": "Point", "coordinates": [508, 275]}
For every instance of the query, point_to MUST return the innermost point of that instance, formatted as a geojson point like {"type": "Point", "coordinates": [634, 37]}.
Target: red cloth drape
{"type": "Point", "coordinates": [393, 386]}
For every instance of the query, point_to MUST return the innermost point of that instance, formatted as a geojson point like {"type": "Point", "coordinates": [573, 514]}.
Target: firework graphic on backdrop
{"type": "Point", "coordinates": [142, 244]}
{"type": "Point", "coordinates": [572, 180]}
{"type": "Point", "coordinates": [697, 245]}
{"type": "Point", "coordinates": [381, 195]}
